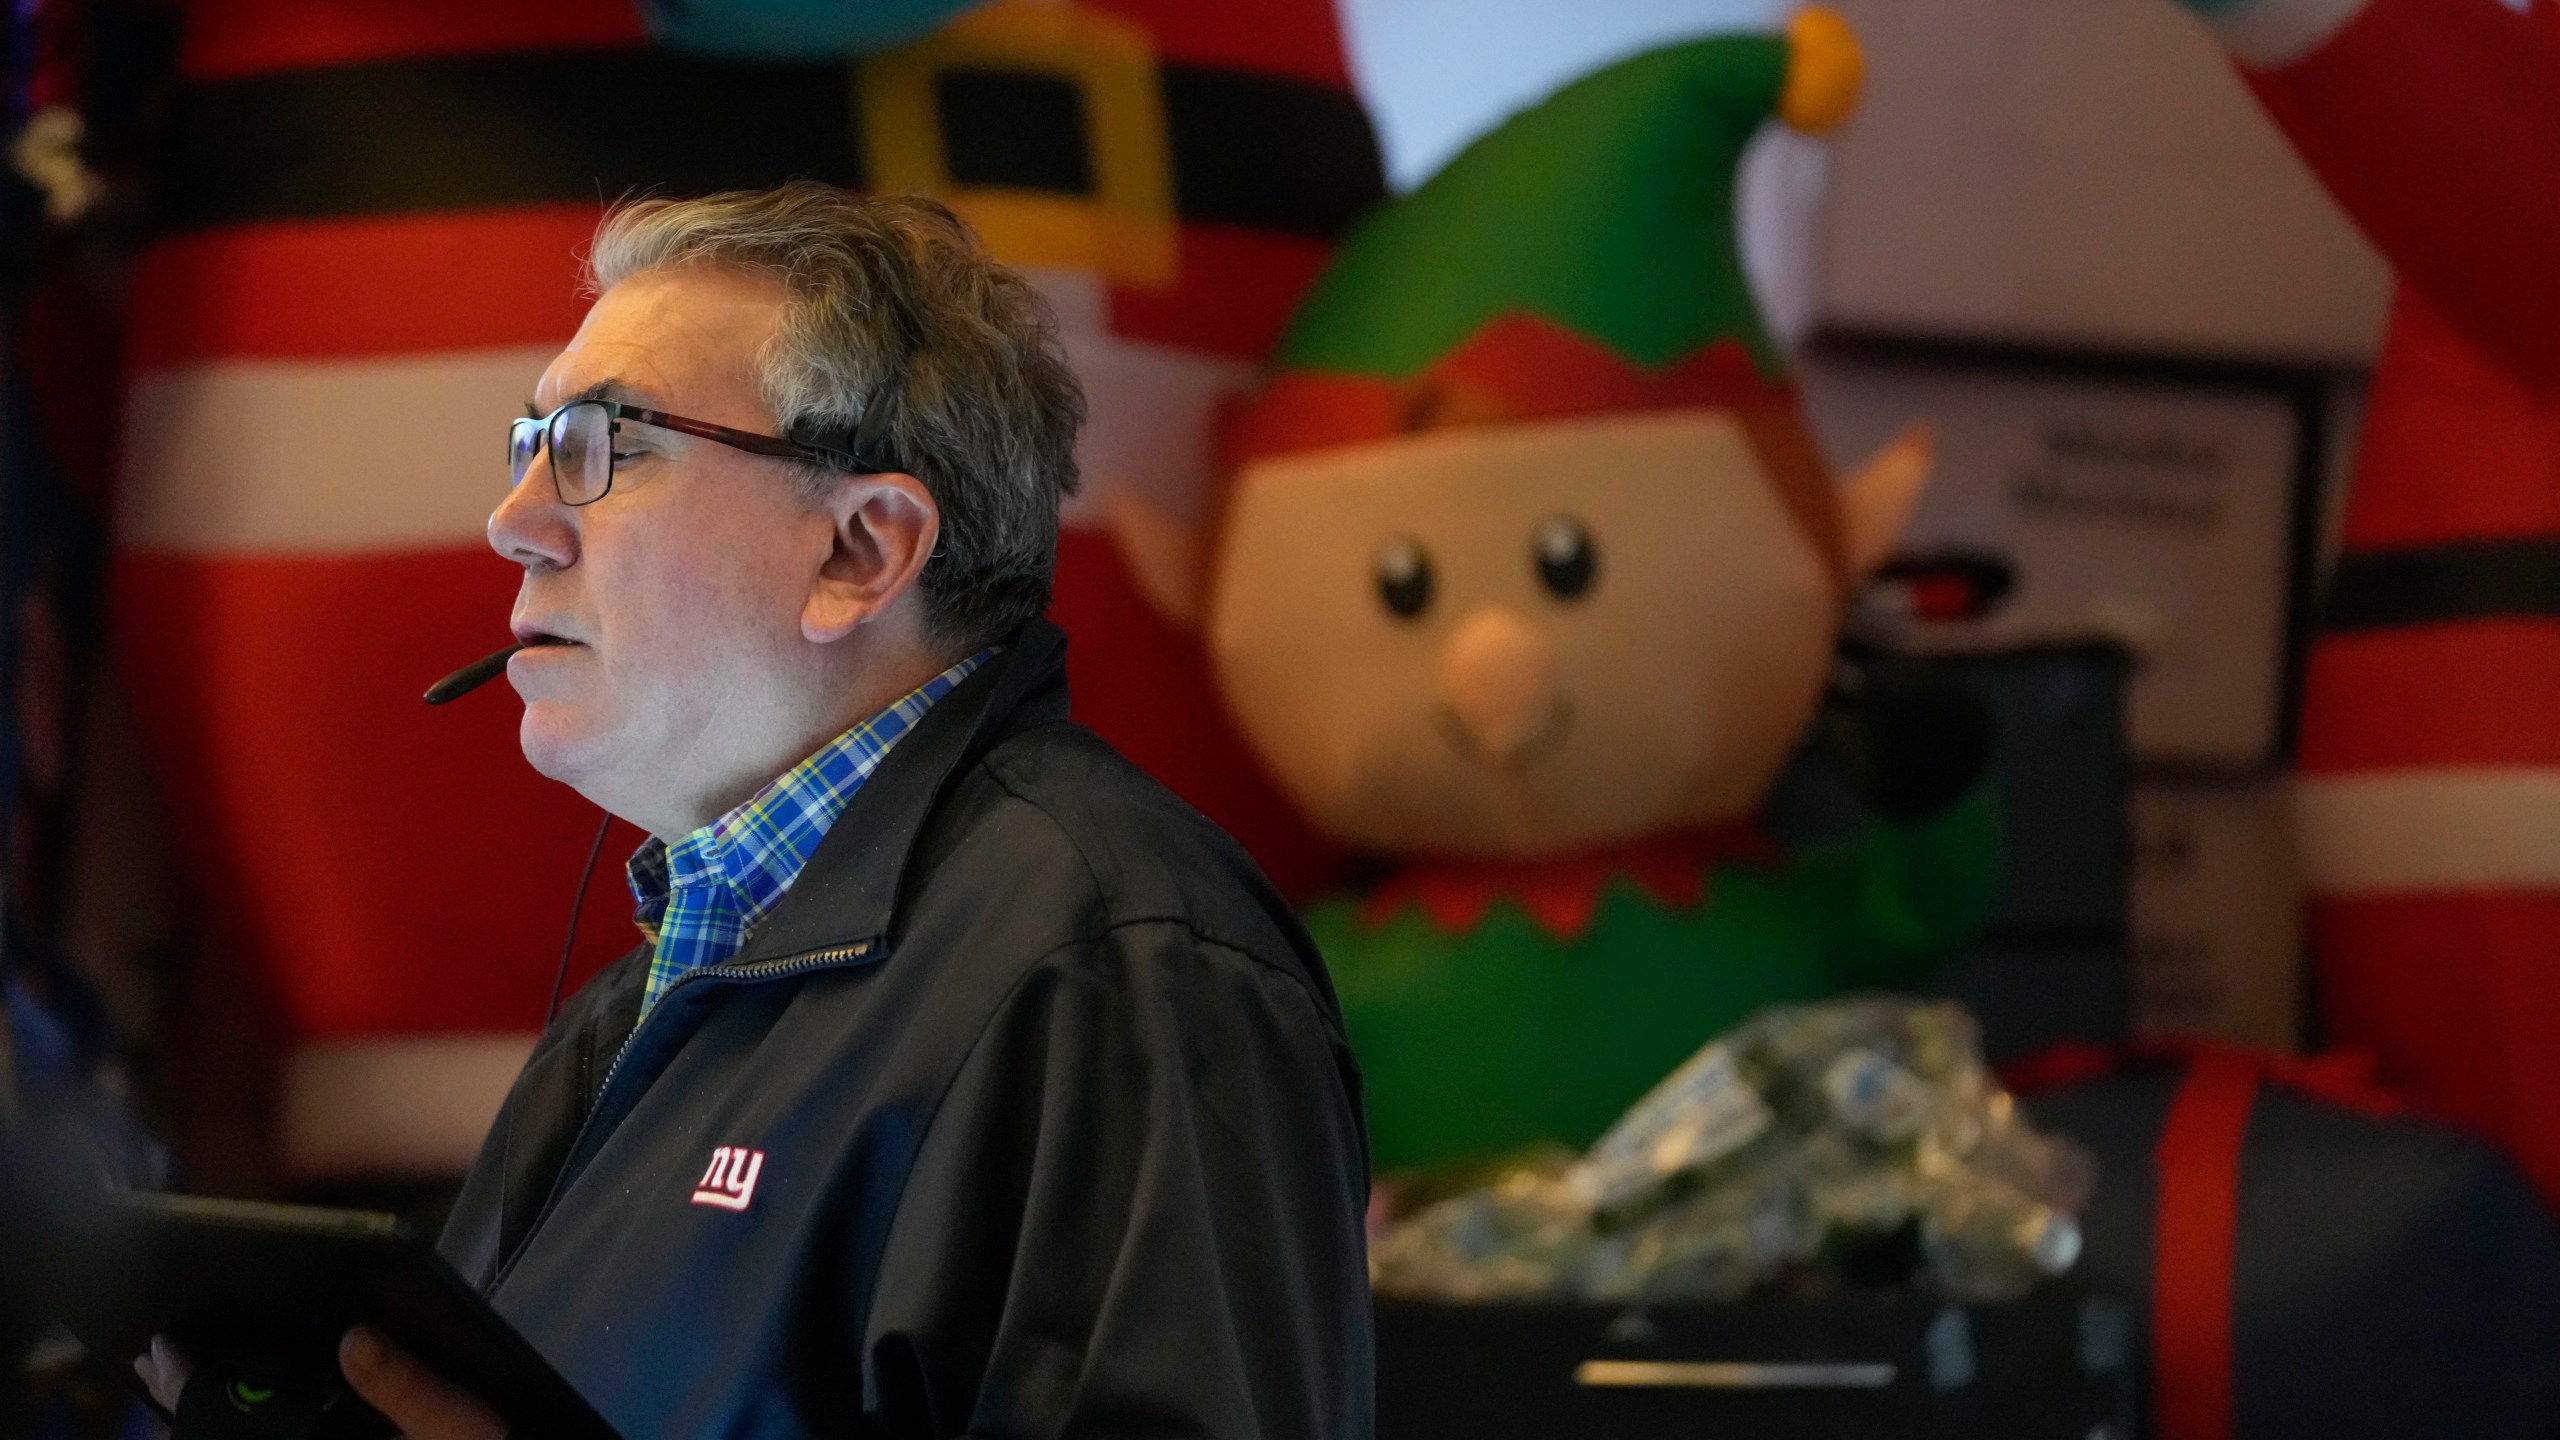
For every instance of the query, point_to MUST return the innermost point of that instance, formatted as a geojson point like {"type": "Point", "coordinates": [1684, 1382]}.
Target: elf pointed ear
{"type": "Point", "coordinates": [1164, 553]}
{"type": "Point", "coordinates": [1876, 503]}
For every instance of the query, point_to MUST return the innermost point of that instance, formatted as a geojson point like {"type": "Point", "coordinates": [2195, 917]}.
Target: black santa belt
{"type": "Point", "coordinates": [587, 126]}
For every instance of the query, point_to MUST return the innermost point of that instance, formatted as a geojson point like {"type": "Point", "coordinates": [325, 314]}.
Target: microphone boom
{"type": "Point", "coordinates": [470, 677]}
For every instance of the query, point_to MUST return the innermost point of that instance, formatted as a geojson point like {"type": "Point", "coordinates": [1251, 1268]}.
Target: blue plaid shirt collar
{"type": "Point", "coordinates": [698, 898]}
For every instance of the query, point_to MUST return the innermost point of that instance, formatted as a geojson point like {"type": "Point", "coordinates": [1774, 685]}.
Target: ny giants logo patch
{"type": "Point", "coordinates": [731, 1181]}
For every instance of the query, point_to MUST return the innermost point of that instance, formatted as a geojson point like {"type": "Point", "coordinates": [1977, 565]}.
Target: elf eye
{"type": "Point", "coordinates": [1403, 572]}
{"type": "Point", "coordinates": [1565, 560]}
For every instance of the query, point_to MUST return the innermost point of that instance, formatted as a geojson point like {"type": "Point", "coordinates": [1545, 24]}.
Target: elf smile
{"type": "Point", "coordinates": [1517, 752]}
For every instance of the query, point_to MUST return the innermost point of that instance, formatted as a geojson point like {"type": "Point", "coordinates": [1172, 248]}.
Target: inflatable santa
{"type": "Point", "coordinates": [370, 217]}
{"type": "Point", "coordinates": [2430, 747]}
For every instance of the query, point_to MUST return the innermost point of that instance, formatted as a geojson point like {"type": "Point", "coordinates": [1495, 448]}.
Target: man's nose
{"type": "Point", "coordinates": [1497, 675]}
{"type": "Point", "coordinates": [531, 526]}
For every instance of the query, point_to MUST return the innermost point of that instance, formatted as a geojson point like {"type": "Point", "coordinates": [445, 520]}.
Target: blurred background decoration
{"type": "Point", "coordinates": [2267, 926]}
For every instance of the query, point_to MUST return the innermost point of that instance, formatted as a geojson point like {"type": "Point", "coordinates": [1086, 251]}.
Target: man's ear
{"type": "Point", "coordinates": [1165, 553]}
{"type": "Point", "coordinates": [1876, 502]}
{"type": "Point", "coordinates": [884, 528]}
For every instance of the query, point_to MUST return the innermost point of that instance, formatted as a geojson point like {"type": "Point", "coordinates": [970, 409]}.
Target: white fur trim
{"type": "Point", "coordinates": [2420, 831]}
{"type": "Point", "coordinates": [299, 457]}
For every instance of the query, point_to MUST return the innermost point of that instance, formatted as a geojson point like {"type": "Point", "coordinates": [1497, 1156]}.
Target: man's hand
{"type": "Point", "coordinates": [164, 1370]}
{"type": "Point", "coordinates": [422, 1403]}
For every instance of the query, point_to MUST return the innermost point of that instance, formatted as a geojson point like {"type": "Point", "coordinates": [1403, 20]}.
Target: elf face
{"type": "Point", "coordinates": [1521, 640]}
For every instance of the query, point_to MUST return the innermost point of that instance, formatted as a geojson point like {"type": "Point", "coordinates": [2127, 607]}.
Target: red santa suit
{"type": "Point", "coordinates": [2430, 747]}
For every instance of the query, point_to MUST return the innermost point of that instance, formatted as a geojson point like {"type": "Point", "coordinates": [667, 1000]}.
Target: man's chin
{"type": "Point", "coordinates": [554, 745]}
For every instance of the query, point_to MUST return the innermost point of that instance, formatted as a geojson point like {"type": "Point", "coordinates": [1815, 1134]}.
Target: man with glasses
{"type": "Point", "coordinates": [966, 1082]}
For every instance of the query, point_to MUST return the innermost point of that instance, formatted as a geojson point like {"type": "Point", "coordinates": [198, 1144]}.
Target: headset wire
{"type": "Point", "coordinates": [577, 903]}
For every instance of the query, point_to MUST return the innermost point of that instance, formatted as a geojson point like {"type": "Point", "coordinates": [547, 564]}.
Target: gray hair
{"type": "Point", "coordinates": [894, 302]}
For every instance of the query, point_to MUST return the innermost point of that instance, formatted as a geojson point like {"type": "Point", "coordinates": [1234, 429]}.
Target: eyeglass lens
{"type": "Point", "coordinates": [581, 441]}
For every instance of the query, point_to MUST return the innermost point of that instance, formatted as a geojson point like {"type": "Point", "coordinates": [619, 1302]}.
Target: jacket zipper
{"type": "Point", "coordinates": [758, 970]}
{"type": "Point", "coordinates": [754, 970]}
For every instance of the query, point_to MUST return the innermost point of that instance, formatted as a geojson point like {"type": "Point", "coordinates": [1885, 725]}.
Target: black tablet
{"type": "Point", "coordinates": [276, 1286]}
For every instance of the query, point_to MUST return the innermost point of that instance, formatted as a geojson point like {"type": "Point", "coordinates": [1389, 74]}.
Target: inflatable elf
{"type": "Point", "coordinates": [1530, 579]}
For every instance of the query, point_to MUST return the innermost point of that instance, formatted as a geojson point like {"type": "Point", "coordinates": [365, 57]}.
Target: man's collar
{"type": "Point", "coordinates": [847, 894]}
{"type": "Point", "coordinates": [758, 847]}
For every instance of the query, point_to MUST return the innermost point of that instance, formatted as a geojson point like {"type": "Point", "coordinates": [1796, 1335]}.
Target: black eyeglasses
{"type": "Point", "coordinates": [581, 433]}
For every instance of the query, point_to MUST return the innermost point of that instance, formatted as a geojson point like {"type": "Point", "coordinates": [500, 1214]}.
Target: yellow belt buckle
{"type": "Point", "coordinates": [1126, 228]}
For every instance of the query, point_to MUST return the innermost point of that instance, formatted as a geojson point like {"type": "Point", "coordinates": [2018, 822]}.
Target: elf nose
{"type": "Point", "coordinates": [1497, 676]}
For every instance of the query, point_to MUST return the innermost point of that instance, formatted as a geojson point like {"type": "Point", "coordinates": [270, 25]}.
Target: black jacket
{"type": "Point", "coordinates": [1058, 1131]}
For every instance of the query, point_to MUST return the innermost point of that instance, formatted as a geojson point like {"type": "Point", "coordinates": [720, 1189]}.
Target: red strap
{"type": "Point", "coordinates": [2349, 1079]}
{"type": "Point", "coordinates": [2194, 1238]}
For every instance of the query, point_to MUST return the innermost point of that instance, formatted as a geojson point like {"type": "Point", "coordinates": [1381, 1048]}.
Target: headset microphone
{"type": "Point", "coordinates": [453, 687]}
{"type": "Point", "coordinates": [470, 677]}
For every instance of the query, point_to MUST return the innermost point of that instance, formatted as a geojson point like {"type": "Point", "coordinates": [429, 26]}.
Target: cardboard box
{"type": "Point", "coordinates": [2217, 913]}
{"type": "Point", "coordinates": [2090, 175]}
{"type": "Point", "coordinates": [2173, 508]}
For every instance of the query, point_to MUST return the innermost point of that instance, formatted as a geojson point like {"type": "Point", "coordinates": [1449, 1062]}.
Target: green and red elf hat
{"type": "Point", "coordinates": [1579, 259]}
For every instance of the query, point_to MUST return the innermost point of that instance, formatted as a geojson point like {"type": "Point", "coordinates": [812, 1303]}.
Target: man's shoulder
{"type": "Point", "coordinates": [1076, 842]}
